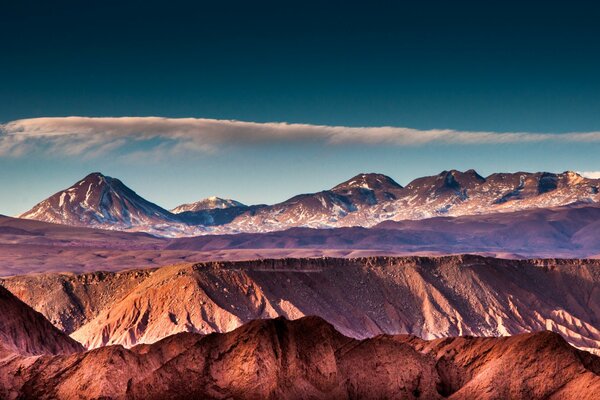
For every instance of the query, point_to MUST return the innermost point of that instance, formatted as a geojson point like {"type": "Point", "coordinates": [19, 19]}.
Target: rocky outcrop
{"type": "Point", "coordinates": [308, 358]}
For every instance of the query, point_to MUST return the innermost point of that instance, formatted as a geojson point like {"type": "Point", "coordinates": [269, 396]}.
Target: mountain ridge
{"type": "Point", "coordinates": [29, 246]}
{"type": "Point", "coordinates": [308, 358]}
{"type": "Point", "coordinates": [364, 200]}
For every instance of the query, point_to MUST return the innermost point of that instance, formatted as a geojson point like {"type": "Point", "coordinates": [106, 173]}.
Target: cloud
{"type": "Point", "coordinates": [590, 174]}
{"type": "Point", "coordinates": [93, 136]}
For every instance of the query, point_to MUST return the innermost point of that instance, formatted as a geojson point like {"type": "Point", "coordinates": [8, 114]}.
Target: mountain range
{"type": "Point", "coordinates": [365, 200]}
{"type": "Point", "coordinates": [28, 246]}
{"type": "Point", "coordinates": [365, 290]}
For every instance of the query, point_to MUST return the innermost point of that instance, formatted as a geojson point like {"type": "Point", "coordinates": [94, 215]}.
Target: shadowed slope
{"type": "Point", "coordinates": [25, 331]}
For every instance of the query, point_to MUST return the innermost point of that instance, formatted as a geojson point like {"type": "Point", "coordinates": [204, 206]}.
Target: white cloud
{"type": "Point", "coordinates": [590, 174]}
{"type": "Point", "coordinates": [93, 136]}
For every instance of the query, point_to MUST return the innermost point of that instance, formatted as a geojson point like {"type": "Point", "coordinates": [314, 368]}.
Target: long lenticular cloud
{"type": "Point", "coordinates": [86, 135]}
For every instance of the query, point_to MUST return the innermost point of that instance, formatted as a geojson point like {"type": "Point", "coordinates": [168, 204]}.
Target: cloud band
{"type": "Point", "coordinates": [88, 135]}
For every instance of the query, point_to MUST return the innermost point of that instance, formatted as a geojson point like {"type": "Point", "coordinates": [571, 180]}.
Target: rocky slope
{"type": "Point", "coordinates": [423, 296]}
{"type": "Point", "coordinates": [25, 331]}
{"type": "Point", "coordinates": [455, 193]}
{"type": "Point", "coordinates": [308, 358]}
{"type": "Point", "coordinates": [324, 209]}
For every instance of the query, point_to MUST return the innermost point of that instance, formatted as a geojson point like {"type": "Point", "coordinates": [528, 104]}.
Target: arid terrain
{"type": "Point", "coordinates": [306, 358]}
{"type": "Point", "coordinates": [455, 286]}
{"type": "Point", "coordinates": [265, 200]}
{"type": "Point", "coordinates": [25, 331]}
{"type": "Point", "coordinates": [423, 296]}
{"type": "Point", "coordinates": [28, 246]}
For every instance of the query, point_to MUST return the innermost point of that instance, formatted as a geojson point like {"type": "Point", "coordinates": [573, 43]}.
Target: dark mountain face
{"type": "Point", "coordinates": [527, 185]}
{"type": "Point", "coordinates": [216, 216]}
{"type": "Point", "coordinates": [27, 332]}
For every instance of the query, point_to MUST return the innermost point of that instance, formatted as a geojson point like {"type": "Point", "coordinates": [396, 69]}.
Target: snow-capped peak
{"type": "Point", "coordinates": [104, 202]}
{"type": "Point", "coordinates": [364, 200]}
{"type": "Point", "coordinates": [210, 203]}
{"type": "Point", "coordinates": [370, 181]}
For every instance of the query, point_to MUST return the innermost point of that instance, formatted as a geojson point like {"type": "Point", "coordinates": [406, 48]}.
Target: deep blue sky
{"type": "Point", "coordinates": [493, 66]}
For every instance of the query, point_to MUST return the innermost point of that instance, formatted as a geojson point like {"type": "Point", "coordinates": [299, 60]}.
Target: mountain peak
{"type": "Point", "coordinates": [370, 181]}
{"type": "Point", "coordinates": [457, 179]}
{"type": "Point", "coordinates": [209, 203]}
{"type": "Point", "coordinates": [452, 179]}
{"type": "Point", "coordinates": [468, 174]}
{"type": "Point", "coordinates": [573, 177]}
{"type": "Point", "coordinates": [95, 178]}
{"type": "Point", "coordinates": [99, 200]}
{"type": "Point", "coordinates": [95, 175]}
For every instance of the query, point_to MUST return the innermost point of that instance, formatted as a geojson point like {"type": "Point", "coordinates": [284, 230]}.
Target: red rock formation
{"type": "Point", "coordinates": [25, 331]}
{"type": "Point", "coordinates": [308, 358]}
{"type": "Point", "coordinates": [425, 296]}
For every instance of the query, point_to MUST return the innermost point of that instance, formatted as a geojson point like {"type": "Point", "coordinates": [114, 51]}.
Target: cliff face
{"type": "Point", "coordinates": [308, 358]}
{"type": "Point", "coordinates": [423, 296]}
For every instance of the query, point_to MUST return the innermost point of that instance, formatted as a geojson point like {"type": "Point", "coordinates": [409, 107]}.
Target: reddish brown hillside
{"type": "Point", "coordinates": [308, 358]}
{"type": "Point", "coordinates": [24, 331]}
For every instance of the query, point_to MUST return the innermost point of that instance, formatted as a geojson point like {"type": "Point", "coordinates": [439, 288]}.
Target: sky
{"type": "Point", "coordinates": [258, 101]}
